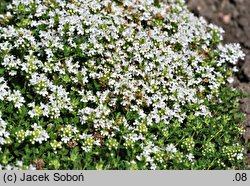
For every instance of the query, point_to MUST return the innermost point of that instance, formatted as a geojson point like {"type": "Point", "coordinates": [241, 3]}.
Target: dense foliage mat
{"type": "Point", "coordinates": [91, 84]}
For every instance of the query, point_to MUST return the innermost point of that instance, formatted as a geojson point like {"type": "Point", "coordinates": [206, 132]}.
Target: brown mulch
{"type": "Point", "coordinates": [234, 17]}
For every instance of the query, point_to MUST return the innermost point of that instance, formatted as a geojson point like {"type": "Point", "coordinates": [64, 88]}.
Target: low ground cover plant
{"type": "Point", "coordinates": [140, 84]}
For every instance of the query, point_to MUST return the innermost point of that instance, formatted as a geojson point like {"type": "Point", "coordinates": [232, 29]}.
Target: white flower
{"type": "Point", "coordinates": [239, 156]}
{"type": "Point", "coordinates": [2, 140]}
{"type": "Point", "coordinates": [65, 139]}
{"type": "Point", "coordinates": [32, 167]}
{"type": "Point", "coordinates": [230, 80]}
{"type": "Point", "coordinates": [153, 166]}
{"type": "Point", "coordinates": [3, 89]}
{"type": "Point", "coordinates": [171, 148]}
{"type": "Point", "coordinates": [43, 136]}
{"type": "Point", "coordinates": [190, 157]}
{"type": "Point", "coordinates": [35, 126]}
{"type": "Point", "coordinates": [17, 98]}
{"type": "Point", "coordinates": [8, 167]}
{"type": "Point", "coordinates": [19, 163]}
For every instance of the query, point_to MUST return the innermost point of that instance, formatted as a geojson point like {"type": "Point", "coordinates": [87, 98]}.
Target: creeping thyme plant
{"type": "Point", "coordinates": [116, 84]}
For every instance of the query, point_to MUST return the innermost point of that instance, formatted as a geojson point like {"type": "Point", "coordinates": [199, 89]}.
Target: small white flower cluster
{"type": "Point", "coordinates": [37, 134]}
{"type": "Point", "coordinates": [4, 134]}
{"type": "Point", "coordinates": [149, 151]}
{"type": "Point", "coordinates": [14, 96]}
{"type": "Point", "coordinates": [56, 145]}
{"type": "Point", "coordinates": [234, 152]}
{"type": "Point", "coordinates": [68, 132]}
{"type": "Point", "coordinates": [19, 166]}
{"type": "Point", "coordinates": [230, 53]}
{"type": "Point", "coordinates": [119, 66]}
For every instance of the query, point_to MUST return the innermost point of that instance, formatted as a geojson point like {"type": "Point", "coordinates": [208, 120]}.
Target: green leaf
{"type": "Point", "coordinates": [2, 71]}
